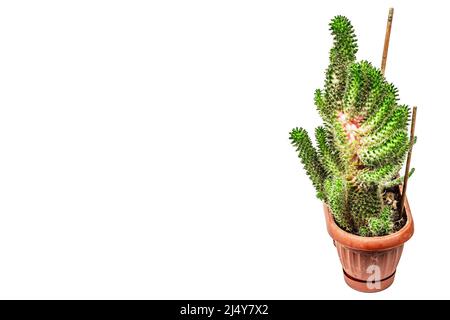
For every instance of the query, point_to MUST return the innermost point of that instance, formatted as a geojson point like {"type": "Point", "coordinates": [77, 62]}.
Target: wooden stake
{"type": "Point", "coordinates": [386, 39]}
{"type": "Point", "coordinates": [408, 161]}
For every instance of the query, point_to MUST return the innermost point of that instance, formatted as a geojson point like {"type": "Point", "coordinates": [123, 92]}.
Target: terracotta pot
{"type": "Point", "coordinates": [369, 263]}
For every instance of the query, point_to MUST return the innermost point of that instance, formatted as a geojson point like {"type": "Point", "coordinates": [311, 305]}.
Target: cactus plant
{"type": "Point", "coordinates": [363, 142]}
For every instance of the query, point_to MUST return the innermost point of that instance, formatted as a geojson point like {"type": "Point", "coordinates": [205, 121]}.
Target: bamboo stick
{"type": "Point", "coordinates": [408, 161]}
{"type": "Point", "coordinates": [386, 39]}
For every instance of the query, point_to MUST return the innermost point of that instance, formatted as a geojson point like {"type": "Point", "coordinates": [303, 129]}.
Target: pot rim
{"type": "Point", "coordinates": [378, 243]}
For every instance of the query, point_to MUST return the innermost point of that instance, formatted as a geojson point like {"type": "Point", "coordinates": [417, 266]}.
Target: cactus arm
{"type": "Point", "coordinates": [309, 158]}
{"type": "Point", "coordinates": [364, 202]}
{"type": "Point", "coordinates": [397, 121]}
{"type": "Point", "coordinates": [381, 174]}
{"type": "Point", "coordinates": [382, 224]}
{"type": "Point", "coordinates": [352, 91]}
{"type": "Point", "coordinates": [329, 159]}
{"type": "Point", "coordinates": [379, 115]}
{"type": "Point", "coordinates": [342, 54]}
{"type": "Point", "coordinates": [399, 180]}
{"type": "Point", "coordinates": [393, 150]}
{"type": "Point", "coordinates": [335, 190]}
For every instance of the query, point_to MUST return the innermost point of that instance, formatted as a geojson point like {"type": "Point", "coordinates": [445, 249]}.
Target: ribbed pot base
{"type": "Point", "coordinates": [365, 286]}
{"type": "Point", "coordinates": [369, 263]}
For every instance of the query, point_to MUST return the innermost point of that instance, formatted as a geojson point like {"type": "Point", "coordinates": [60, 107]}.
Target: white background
{"type": "Point", "coordinates": [144, 147]}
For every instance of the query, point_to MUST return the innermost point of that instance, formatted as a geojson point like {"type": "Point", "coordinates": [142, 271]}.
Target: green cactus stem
{"type": "Point", "coordinates": [362, 143]}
